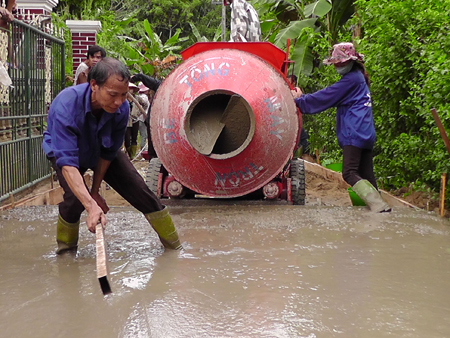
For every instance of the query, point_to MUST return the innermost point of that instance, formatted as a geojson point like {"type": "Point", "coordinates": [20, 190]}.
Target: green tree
{"type": "Point", "coordinates": [150, 55]}
{"type": "Point", "coordinates": [406, 46]}
{"type": "Point", "coordinates": [166, 16]}
{"type": "Point", "coordinates": [124, 36]}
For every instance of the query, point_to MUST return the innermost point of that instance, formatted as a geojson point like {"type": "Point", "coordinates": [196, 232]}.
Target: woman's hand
{"type": "Point", "coordinates": [296, 92]}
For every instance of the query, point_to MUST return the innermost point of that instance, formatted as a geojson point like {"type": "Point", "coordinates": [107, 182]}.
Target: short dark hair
{"type": "Point", "coordinates": [106, 68]}
{"type": "Point", "coordinates": [95, 49]}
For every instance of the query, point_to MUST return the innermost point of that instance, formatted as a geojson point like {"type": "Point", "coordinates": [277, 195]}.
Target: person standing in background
{"type": "Point", "coordinates": [132, 131]}
{"type": "Point", "coordinates": [143, 94]}
{"type": "Point", "coordinates": [152, 84]}
{"type": "Point", "coordinates": [95, 54]}
{"type": "Point", "coordinates": [7, 13]}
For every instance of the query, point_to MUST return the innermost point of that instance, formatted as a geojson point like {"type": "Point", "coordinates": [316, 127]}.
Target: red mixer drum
{"type": "Point", "coordinates": [224, 123]}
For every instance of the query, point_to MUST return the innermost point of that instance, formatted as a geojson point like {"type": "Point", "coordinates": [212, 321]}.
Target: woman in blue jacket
{"type": "Point", "coordinates": [354, 121]}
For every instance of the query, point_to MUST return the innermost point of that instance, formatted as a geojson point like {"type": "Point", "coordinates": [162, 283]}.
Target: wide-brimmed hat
{"type": "Point", "coordinates": [343, 52]}
{"type": "Point", "coordinates": [131, 85]}
{"type": "Point", "coordinates": [142, 88]}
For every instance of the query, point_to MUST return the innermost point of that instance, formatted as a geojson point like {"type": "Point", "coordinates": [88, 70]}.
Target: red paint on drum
{"type": "Point", "coordinates": [258, 136]}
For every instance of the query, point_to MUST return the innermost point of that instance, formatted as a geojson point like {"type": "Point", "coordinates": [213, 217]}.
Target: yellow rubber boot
{"type": "Point", "coordinates": [66, 235]}
{"type": "Point", "coordinates": [134, 151]}
{"type": "Point", "coordinates": [162, 223]}
{"type": "Point", "coordinates": [129, 152]}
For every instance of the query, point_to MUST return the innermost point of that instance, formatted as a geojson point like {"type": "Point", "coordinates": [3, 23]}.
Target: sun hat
{"type": "Point", "coordinates": [132, 86]}
{"type": "Point", "coordinates": [142, 88]}
{"type": "Point", "coordinates": [343, 52]}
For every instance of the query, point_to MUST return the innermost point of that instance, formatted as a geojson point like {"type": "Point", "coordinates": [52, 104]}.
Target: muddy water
{"type": "Point", "coordinates": [246, 271]}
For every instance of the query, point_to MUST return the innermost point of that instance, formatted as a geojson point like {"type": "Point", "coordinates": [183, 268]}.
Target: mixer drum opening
{"type": "Point", "coordinates": [219, 124]}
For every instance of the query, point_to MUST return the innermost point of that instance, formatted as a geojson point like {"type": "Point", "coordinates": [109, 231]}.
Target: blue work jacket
{"type": "Point", "coordinates": [354, 119]}
{"type": "Point", "coordinates": [73, 135]}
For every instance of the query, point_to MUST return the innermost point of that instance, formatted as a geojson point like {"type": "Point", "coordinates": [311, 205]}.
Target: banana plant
{"type": "Point", "coordinates": [341, 12]}
{"type": "Point", "coordinates": [202, 38]}
{"type": "Point", "coordinates": [319, 16]}
{"type": "Point", "coordinates": [301, 51]}
{"type": "Point", "coordinates": [148, 54]}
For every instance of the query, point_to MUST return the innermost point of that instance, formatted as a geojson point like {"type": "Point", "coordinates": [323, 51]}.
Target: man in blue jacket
{"type": "Point", "coordinates": [85, 130]}
{"type": "Point", "coordinates": [354, 121]}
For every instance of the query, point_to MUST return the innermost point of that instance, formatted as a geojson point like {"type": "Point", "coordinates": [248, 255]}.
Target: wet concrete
{"type": "Point", "coordinates": [247, 270]}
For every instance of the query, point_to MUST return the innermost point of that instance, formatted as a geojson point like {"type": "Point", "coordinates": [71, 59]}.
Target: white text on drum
{"type": "Point", "coordinates": [234, 177]}
{"type": "Point", "coordinates": [272, 105]}
{"type": "Point", "coordinates": [198, 74]}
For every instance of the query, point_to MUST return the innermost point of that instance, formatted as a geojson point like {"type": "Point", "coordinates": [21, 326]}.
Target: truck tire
{"type": "Point", "coordinates": [151, 179]}
{"type": "Point", "coordinates": [297, 174]}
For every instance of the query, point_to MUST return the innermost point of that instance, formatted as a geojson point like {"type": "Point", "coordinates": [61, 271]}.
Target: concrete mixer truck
{"type": "Point", "coordinates": [224, 125]}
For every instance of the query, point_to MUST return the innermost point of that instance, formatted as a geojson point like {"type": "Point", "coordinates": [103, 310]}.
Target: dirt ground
{"type": "Point", "coordinates": [319, 191]}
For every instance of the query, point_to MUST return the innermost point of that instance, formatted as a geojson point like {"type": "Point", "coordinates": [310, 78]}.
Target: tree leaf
{"type": "Point", "coordinates": [293, 31]}
{"type": "Point", "coordinates": [267, 25]}
{"type": "Point", "coordinates": [319, 8]}
{"type": "Point", "coordinates": [303, 59]}
{"type": "Point", "coordinates": [341, 12]}
{"type": "Point", "coordinates": [174, 39]}
{"type": "Point", "coordinates": [149, 31]}
{"type": "Point", "coordinates": [195, 32]}
{"type": "Point", "coordinates": [147, 69]}
{"type": "Point", "coordinates": [218, 33]}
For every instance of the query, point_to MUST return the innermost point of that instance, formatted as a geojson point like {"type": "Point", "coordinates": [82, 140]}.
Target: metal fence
{"type": "Point", "coordinates": [35, 63]}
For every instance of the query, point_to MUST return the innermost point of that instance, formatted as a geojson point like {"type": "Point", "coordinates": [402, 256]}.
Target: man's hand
{"type": "Point", "coordinates": [95, 216]}
{"type": "Point", "coordinates": [296, 92]}
{"type": "Point", "coordinates": [6, 15]}
{"type": "Point", "coordinates": [78, 187]}
{"type": "Point", "coordinates": [100, 201]}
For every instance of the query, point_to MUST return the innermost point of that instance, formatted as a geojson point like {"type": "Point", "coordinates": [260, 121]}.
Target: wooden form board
{"type": "Point", "coordinates": [337, 177]}
{"type": "Point", "coordinates": [50, 197]}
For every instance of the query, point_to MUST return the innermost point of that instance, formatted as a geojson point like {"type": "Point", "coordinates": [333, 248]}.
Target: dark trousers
{"type": "Point", "coordinates": [303, 142]}
{"type": "Point", "coordinates": [150, 148]}
{"type": "Point", "coordinates": [123, 177]}
{"type": "Point", "coordinates": [131, 135]}
{"type": "Point", "coordinates": [357, 165]}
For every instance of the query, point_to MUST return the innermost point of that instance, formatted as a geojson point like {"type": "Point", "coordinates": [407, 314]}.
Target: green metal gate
{"type": "Point", "coordinates": [35, 63]}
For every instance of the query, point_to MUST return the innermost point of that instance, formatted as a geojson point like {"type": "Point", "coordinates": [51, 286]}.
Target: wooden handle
{"type": "Point", "coordinates": [102, 266]}
{"type": "Point", "coordinates": [132, 98]}
{"type": "Point", "coordinates": [102, 269]}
